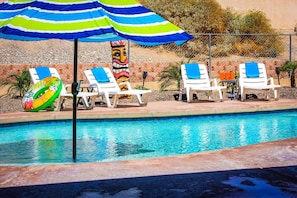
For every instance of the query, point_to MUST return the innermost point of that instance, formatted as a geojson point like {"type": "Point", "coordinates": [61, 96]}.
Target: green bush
{"type": "Point", "coordinates": [171, 75]}
{"type": "Point", "coordinates": [290, 67]}
{"type": "Point", "coordinates": [191, 15]}
{"type": "Point", "coordinates": [207, 16]}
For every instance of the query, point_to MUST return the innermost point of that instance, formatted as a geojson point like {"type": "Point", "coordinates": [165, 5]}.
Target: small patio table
{"type": "Point", "coordinates": [234, 88]}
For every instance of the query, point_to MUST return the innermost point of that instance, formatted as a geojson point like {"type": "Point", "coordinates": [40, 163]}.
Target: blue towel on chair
{"type": "Point", "coordinates": [100, 75]}
{"type": "Point", "coordinates": [43, 72]}
{"type": "Point", "coordinates": [252, 70]}
{"type": "Point", "coordinates": [193, 71]}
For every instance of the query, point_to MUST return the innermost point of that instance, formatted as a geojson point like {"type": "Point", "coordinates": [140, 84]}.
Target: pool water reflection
{"type": "Point", "coordinates": [111, 140]}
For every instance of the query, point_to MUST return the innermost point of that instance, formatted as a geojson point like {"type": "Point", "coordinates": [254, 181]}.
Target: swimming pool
{"type": "Point", "coordinates": [112, 140]}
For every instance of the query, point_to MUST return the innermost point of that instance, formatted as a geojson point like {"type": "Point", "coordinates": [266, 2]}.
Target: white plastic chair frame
{"type": "Point", "coordinates": [202, 84]}
{"type": "Point", "coordinates": [257, 83]}
{"type": "Point", "coordinates": [112, 89]}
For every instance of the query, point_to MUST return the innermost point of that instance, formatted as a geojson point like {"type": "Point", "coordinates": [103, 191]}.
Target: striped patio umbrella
{"type": "Point", "coordinates": [87, 21]}
{"type": "Point", "coordinates": [25, 19]}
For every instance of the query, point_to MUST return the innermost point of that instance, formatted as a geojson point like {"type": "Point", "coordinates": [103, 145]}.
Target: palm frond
{"type": "Point", "coordinates": [18, 83]}
{"type": "Point", "coordinates": [171, 75]}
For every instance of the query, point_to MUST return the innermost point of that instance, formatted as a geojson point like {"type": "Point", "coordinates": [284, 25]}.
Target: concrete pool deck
{"type": "Point", "coordinates": [238, 172]}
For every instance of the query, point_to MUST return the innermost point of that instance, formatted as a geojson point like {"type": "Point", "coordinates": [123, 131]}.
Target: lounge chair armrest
{"type": "Point", "coordinates": [68, 87]}
{"type": "Point", "coordinates": [87, 88]}
{"type": "Point", "coordinates": [93, 85]}
{"type": "Point", "coordinates": [213, 82]}
{"type": "Point", "coordinates": [270, 81]}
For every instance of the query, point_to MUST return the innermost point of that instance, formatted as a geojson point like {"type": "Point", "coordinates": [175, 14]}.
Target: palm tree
{"type": "Point", "coordinates": [290, 66]}
{"type": "Point", "coordinates": [171, 75]}
{"type": "Point", "coordinates": [20, 83]}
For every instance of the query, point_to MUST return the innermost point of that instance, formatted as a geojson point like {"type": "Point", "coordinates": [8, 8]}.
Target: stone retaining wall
{"type": "Point", "coordinates": [153, 68]}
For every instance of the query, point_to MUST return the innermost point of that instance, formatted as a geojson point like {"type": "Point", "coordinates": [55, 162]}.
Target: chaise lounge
{"type": "Point", "coordinates": [252, 76]}
{"type": "Point", "coordinates": [196, 79]}
{"type": "Point", "coordinates": [103, 81]}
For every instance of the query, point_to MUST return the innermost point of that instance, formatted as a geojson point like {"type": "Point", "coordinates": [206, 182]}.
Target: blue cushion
{"type": "Point", "coordinates": [100, 75]}
{"type": "Point", "coordinates": [193, 71]}
{"type": "Point", "coordinates": [252, 70]}
{"type": "Point", "coordinates": [43, 72]}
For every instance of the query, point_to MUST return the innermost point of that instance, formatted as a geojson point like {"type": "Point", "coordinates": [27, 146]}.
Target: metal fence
{"type": "Point", "coordinates": [234, 47]}
{"type": "Point", "coordinates": [274, 49]}
{"type": "Point", "coordinates": [218, 51]}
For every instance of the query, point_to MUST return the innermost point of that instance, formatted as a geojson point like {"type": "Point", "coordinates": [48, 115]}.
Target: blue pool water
{"type": "Point", "coordinates": [111, 140]}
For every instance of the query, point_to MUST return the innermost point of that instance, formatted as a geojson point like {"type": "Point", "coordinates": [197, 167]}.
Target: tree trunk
{"type": "Point", "coordinates": [293, 84]}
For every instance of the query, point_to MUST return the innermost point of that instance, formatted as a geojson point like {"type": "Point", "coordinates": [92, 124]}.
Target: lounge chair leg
{"type": "Point", "coordinates": [139, 99]}
{"type": "Point", "coordinates": [189, 93]}
{"type": "Point", "coordinates": [276, 93]}
{"type": "Point", "coordinates": [208, 93]}
{"type": "Point", "coordinates": [115, 101]}
{"type": "Point", "coordinates": [145, 99]}
{"type": "Point", "coordinates": [180, 95]}
{"type": "Point", "coordinates": [222, 94]}
{"type": "Point", "coordinates": [59, 103]}
{"type": "Point", "coordinates": [243, 95]}
{"type": "Point", "coordinates": [267, 95]}
{"type": "Point", "coordinates": [92, 104]}
{"type": "Point", "coordinates": [106, 95]}
{"type": "Point", "coordinates": [85, 102]}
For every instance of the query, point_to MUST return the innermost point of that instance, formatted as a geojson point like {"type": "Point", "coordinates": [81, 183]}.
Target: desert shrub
{"type": "Point", "coordinates": [191, 15]}
{"type": "Point", "coordinates": [232, 20]}
{"type": "Point", "coordinates": [255, 22]}
{"type": "Point", "coordinates": [197, 17]}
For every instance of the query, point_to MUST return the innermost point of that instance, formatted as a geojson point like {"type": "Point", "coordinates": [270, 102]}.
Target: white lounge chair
{"type": "Point", "coordinates": [102, 79]}
{"type": "Point", "coordinates": [252, 76]}
{"type": "Point", "coordinates": [37, 76]}
{"type": "Point", "coordinates": [195, 79]}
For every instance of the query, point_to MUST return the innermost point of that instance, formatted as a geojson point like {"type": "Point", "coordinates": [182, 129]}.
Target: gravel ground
{"type": "Point", "coordinates": [8, 104]}
{"type": "Point", "coordinates": [61, 52]}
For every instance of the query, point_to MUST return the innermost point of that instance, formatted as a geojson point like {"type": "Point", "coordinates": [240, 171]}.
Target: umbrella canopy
{"type": "Point", "coordinates": [88, 21]}
{"type": "Point", "coordinates": [81, 19]}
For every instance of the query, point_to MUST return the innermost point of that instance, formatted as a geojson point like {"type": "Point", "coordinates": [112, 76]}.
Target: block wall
{"type": "Point", "coordinates": [136, 69]}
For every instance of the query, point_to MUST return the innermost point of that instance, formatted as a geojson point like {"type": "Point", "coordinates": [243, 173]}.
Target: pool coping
{"type": "Point", "coordinates": [153, 109]}
{"type": "Point", "coordinates": [259, 156]}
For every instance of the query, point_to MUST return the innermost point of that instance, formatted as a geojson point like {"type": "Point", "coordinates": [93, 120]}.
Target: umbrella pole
{"type": "Point", "coordinates": [74, 92]}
